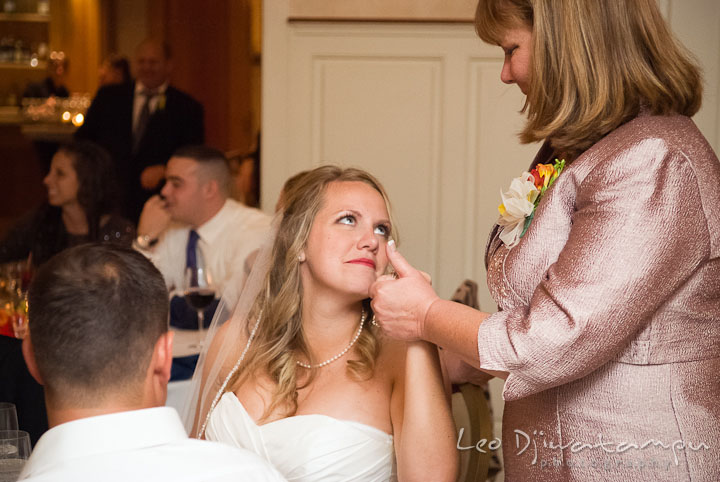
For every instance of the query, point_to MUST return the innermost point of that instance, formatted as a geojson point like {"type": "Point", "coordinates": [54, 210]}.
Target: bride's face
{"type": "Point", "coordinates": [345, 251]}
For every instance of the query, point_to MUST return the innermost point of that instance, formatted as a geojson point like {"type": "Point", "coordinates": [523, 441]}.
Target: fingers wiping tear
{"type": "Point", "coordinates": [399, 263]}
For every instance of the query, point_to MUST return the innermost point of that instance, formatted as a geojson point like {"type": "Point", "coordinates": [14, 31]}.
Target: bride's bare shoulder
{"type": "Point", "coordinates": [226, 334]}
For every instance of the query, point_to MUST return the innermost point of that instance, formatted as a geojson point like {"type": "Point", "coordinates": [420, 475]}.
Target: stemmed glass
{"type": "Point", "coordinates": [8, 416]}
{"type": "Point", "coordinates": [199, 291]}
{"type": "Point", "coordinates": [14, 451]}
{"type": "Point", "coordinates": [19, 321]}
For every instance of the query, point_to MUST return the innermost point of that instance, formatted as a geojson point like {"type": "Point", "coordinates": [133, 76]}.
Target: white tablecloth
{"type": "Point", "coordinates": [187, 342]}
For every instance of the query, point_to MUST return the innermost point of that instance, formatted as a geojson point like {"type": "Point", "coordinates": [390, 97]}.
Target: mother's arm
{"type": "Point", "coordinates": [457, 371]}
{"type": "Point", "coordinates": [638, 233]}
{"type": "Point", "coordinates": [423, 428]}
{"type": "Point", "coordinates": [409, 309]}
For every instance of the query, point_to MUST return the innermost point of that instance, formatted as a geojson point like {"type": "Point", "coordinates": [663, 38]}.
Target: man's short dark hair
{"type": "Point", "coordinates": [213, 163]}
{"type": "Point", "coordinates": [96, 312]}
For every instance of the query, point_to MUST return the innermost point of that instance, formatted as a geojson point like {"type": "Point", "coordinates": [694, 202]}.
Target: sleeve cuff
{"type": "Point", "coordinates": [493, 346]}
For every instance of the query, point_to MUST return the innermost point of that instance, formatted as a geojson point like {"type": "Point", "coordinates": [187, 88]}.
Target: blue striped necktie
{"type": "Point", "coordinates": [191, 250]}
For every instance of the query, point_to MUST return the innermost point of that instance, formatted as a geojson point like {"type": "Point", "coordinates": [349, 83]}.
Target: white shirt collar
{"type": "Point", "coordinates": [111, 433]}
{"type": "Point", "coordinates": [139, 87]}
{"type": "Point", "coordinates": [214, 227]}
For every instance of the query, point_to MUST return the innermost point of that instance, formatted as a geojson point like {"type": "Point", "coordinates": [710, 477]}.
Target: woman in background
{"type": "Point", "coordinates": [80, 208]}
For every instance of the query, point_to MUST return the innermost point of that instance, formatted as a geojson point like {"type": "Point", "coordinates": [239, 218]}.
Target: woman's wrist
{"type": "Point", "coordinates": [427, 325]}
{"type": "Point", "coordinates": [453, 326]}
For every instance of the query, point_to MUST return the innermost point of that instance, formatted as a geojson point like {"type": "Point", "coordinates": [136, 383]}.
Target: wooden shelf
{"type": "Point", "coordinates": [24, 17]}
{"type": "Point", "coordinates": [42, 65]}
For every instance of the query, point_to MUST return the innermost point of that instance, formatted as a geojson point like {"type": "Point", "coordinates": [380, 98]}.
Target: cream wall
{"type": "Point", "coordinates": [697, 24]}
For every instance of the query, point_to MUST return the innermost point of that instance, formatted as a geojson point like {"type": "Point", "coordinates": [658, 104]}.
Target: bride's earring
{"type": "Point", "coordinates": [301, 257]}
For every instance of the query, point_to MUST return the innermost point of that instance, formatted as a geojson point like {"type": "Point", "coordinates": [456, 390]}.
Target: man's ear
{"type": "Point", "coordinates": [211, 188]}
{"type": "Point", "coordinates": [29, 355]}
{"type": "Point", "coordinates": [158, 372]}
{"type": "Point", "coordinates": [162, 357]}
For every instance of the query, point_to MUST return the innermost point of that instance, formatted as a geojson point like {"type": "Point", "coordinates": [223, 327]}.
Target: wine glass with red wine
{"type": "Point", "coordinates": [199, 292]}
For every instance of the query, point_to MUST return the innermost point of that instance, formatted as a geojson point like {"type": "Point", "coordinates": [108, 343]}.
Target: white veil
{"type": "Point", "coordinates": [224, 348]}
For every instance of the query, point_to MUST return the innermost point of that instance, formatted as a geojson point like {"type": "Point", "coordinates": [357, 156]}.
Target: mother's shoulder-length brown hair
{"type": "Point", "coordinates": [595, 63]}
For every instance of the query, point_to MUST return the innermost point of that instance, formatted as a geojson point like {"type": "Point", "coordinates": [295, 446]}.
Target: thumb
{"type": "Point", "coordinates": [398, 261]}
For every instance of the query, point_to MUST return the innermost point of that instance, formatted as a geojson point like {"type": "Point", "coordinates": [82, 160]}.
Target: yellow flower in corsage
{"type": "Point", "coordinates": [520, 201]}
{"type": "Point", "coordinates": [161, 102]}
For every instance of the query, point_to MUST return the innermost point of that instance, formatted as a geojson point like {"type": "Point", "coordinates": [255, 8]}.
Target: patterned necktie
{"type": "Point", "coordinates": [143, 118]}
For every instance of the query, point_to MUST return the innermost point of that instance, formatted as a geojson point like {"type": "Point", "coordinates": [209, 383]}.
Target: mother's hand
{"type": "Point", "coordinates": [400, 305]}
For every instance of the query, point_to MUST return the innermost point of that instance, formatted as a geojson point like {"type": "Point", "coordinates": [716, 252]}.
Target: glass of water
{"type": "Point", "coordinates": [8, 416]}
{"type": "Point", "coordinates": [14, 451]}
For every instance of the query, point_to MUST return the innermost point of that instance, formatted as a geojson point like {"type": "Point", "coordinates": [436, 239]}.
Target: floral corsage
{"type": "Point", "coordinates": [519, 202]}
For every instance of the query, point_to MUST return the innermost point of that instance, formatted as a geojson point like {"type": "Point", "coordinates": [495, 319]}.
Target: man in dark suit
{"type": "Point", "coordinates": [142, 124]}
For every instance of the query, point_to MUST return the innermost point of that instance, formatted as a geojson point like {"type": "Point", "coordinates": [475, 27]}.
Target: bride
{"type": "Point", "coordinates": [301, 375]}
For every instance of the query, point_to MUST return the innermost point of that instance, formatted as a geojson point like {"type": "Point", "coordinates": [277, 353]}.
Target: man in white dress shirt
{"type": "Point", "coordinates": [99, 344]}
{"type": "Point", "coordinates": [195, 203]}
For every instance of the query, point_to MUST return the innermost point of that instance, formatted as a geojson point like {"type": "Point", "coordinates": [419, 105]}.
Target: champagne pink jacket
{"type": "Point", "coordinates": [610, 321]}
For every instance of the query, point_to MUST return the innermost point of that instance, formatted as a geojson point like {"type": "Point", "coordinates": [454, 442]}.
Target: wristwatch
{"type": "Point", "coordinates": [145, 241]}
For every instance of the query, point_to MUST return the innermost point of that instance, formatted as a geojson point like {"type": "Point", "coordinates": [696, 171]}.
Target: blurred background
{"type": "Point", "coordinates": [216, 58]}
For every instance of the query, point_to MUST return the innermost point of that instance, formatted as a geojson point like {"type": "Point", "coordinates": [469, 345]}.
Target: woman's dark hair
{"type": "Point", "coordinates": [97, 191]}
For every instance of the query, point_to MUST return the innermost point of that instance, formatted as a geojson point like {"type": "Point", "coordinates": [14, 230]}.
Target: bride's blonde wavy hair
{"type": "Point", "coordinates": [280, 338]}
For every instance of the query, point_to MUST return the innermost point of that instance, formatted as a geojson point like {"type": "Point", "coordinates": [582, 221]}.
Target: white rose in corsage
{"type": "Point", "coordinates": [519, 202]}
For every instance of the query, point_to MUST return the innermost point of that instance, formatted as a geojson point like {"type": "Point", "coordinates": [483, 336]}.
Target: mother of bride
{"type": "Point", "coordinates": [608, 333]}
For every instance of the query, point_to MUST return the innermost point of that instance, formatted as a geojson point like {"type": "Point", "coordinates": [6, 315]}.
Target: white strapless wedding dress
{"type": "Point", "coordinates": [307, 448]}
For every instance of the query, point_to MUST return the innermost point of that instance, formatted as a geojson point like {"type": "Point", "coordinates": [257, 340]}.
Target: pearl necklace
{"type": "Point", "coordinates": [339, 355]}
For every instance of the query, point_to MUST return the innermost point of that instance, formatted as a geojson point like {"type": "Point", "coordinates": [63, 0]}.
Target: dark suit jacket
{"type": "Point", "coordinates": [108, 122]}
{"type": "Point", "coordinates": [19, 387]}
